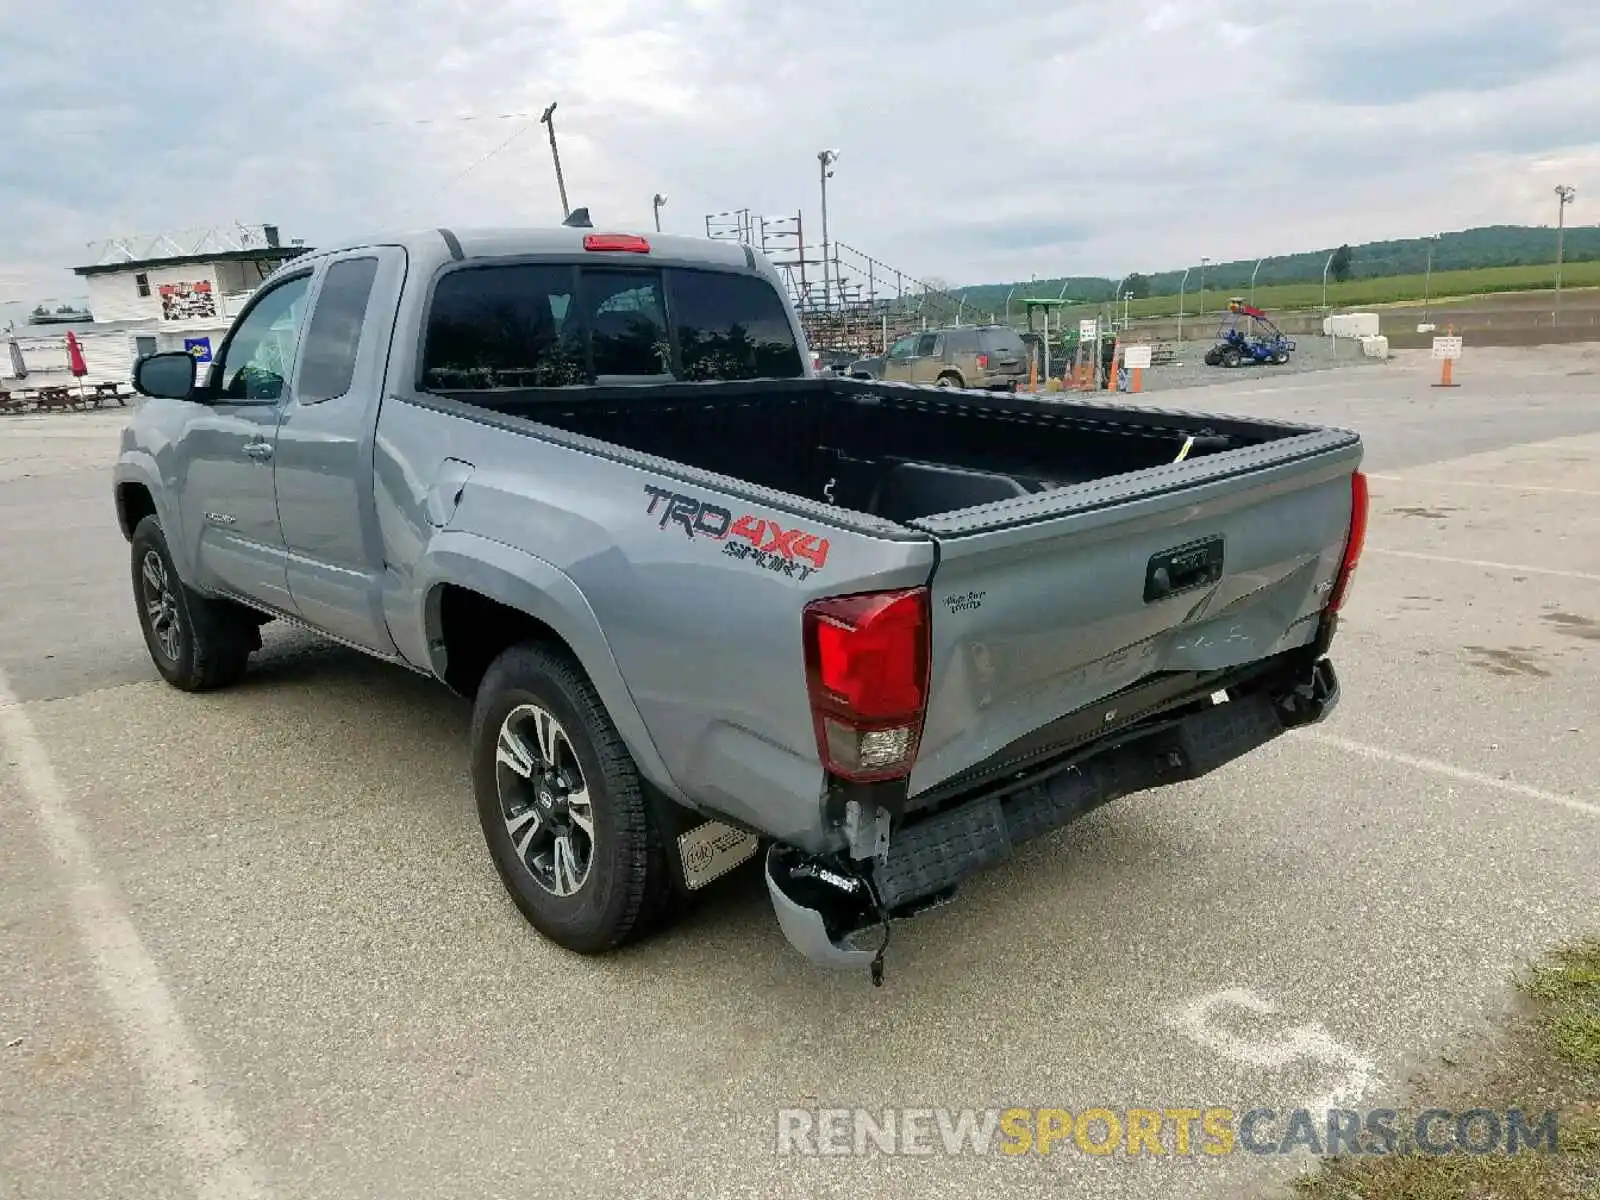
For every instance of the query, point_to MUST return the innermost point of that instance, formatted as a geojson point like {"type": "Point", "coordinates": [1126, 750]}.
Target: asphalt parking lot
{"type": "Point", "coordinates": [252, 946]}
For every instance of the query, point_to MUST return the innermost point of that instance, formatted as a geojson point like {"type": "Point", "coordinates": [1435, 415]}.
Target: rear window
{"type": "Point", "coordinates": [550, 326]}
{"type": "Point", "coordinates": [1001, 341]}
{"type": "Point", "coordinates": [505, 327]}
{"type": "Point", "coordinates": [628, 322]}
{"type": "Point", "coordinates": [731, 327]}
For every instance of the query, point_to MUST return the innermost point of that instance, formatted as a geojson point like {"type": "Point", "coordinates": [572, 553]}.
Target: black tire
{"type": "Point", "coordinates": [1213, 356]}
{"type": "Point", "coordinates": [1230, 357]}
{"type": "Point", "coordinates": [626, 887]}
{"type": "Point", "coordinates": [1279, 358]}
{"type": "Point", "coordinates": [197, 644]}
{"type": "Point", "coordinates": [948, 380]}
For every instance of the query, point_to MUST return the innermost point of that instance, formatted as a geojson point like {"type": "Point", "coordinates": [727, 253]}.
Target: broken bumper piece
{"type": "Point", "coordinates": [836, 913]}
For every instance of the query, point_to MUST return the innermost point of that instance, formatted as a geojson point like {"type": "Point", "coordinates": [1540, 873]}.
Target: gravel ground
{"type": "Point", "coordinates": [1311, 354]}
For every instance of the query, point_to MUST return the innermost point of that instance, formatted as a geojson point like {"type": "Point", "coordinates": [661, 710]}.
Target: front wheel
{"type": "Point", "coordinates": [563, 809]}
{"type": "Point", "coordinates": [948, 381]}
{"type": "Point", "coordinates": [196, 643]}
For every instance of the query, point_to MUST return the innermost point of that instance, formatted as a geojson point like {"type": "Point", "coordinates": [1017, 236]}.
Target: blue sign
{"type": "Point", "coordinates": [199, 347]}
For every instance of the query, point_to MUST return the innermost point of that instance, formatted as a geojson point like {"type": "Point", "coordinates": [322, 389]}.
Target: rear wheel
{"type": "Point", "coordinates": [562, 807]}
{"type": "Point", "coordinates": [197, 644]}
{"type": "Point", "coordinates": [949, 380]}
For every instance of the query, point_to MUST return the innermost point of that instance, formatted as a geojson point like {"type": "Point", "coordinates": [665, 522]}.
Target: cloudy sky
{"type": "Point", "coordinates": [979, 141]}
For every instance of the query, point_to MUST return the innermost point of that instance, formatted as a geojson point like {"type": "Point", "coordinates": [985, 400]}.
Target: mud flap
{"type": "Point", "coordinates": [710, 850]}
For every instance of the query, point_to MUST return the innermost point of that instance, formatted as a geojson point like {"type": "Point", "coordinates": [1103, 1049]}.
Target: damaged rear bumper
{"type": "Point", "coordinates": [836, 912]}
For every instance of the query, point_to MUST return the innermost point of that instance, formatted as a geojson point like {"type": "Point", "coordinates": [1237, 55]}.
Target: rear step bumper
{"type": "Point", "coordinates": [826, 908]}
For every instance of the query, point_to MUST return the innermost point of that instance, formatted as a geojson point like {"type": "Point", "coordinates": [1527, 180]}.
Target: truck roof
{"type": "Point", "coordinates": [431, 247]}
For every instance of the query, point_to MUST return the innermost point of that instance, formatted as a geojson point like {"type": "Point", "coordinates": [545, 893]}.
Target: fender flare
{"type": "Point", "coordinates": [531, 585]}
{"type": "Point", "coordinates": [139, 469]}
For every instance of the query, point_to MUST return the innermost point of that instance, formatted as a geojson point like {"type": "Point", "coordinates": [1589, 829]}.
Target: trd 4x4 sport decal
{"type": "Point", "coordinates": [758, 540]}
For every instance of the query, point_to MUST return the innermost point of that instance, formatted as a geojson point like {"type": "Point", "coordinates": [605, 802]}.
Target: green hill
{"type": "Point", "coordinates": [1468, 251]}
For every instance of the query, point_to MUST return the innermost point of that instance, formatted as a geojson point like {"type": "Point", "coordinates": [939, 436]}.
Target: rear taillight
{"type": "Point", "coordinates": [867, 674]}
{"type": "Point", "coordinates": [983, 361]}
{"type": "Point", "coordinates": [1352, 546]}
{"type": "Point", "coordinates": [628, 243]}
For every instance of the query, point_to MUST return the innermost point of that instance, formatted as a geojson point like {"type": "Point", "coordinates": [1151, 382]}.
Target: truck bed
{"type": "Point", "coordinates": [908, 454]}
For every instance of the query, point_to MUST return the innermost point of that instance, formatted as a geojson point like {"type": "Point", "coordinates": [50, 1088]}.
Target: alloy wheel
{"type": "Point", "coordinates": [161, 605]}
{"type": "Point", "coordinates": [544, 800]}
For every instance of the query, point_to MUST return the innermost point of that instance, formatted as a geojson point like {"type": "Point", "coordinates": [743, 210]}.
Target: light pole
{"type": "Point", "coordinates": [1564, 195]}
{"type": "Point", "coordinates": [825, 161]}
{"type": "Point", "coordinates": [1325, 267]}
{"type": "Point", "coordinates": [1427, 278]}
{"type": "Point", "coordinates": [1182, 284]}
{"type": "Point", "coordinates": [548, 120]}
{"type": "Point", "coordinates": [1203, 261]}
{"type": "Point", "coordinates": [656, 202]}
{"type": "Point", "coordinates": [1259, 261]}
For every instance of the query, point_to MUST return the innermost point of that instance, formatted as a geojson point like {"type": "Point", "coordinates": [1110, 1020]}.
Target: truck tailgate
{"type": "Point", "coordinates": [1044, 606]}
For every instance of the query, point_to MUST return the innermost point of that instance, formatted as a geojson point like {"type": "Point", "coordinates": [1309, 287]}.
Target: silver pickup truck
{"type": "Point", "coordinates": [704, 602]}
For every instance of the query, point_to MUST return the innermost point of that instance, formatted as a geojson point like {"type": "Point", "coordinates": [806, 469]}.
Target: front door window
{"type": "Point", "coordinates": [258, 358]}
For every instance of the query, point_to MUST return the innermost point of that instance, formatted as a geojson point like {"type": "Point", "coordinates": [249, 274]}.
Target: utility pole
{"type": "Point", "coordinates": [656, 202]}
{"type": "Point", "coordinates": [1259, 261]}
{"type": "Point", "coordinates": [1564, 195]}
{"type": "Point", "coordinates": [1203, 261]}
{"type": "Point", "coordinates": [825, 160]}
{"type": "Point", "coordinates": [561, 185]}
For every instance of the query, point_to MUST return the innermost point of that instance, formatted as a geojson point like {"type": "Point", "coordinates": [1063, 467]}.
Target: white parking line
{"type": "Point", "coordinates": [1477, 483]}
{"type": "Point", "coordinates": [220, 1162]}
{"type": "Point", "coordinates": [1436, 767]}
{"type": "Point", "coordinates": [1519, 568]}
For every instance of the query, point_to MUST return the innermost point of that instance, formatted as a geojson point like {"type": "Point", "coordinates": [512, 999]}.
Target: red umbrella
{"type": "Point", "coordinates": [75, 362]}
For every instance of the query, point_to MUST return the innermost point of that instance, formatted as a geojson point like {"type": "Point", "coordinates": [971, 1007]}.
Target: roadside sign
{"type": "Point", "coordinates": [199, 347]}
{"type": "Point", "coordinates": [1136, 357]}
{"type": "Point", "coordinates": [1089, 329]}
{"type": "Point", "coordinates": [1447, 347]}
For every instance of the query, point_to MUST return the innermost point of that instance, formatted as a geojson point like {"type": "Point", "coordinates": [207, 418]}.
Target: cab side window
{"type": "Point", "coordinates": [328, 363]}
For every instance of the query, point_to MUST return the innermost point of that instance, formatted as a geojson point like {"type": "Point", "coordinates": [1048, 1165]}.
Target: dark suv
{"type": "Point", "coordinates": [965, 356]}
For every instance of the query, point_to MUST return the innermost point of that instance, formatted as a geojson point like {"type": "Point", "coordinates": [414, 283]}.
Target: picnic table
{"type": "Point", "coordinates": [57, 397]}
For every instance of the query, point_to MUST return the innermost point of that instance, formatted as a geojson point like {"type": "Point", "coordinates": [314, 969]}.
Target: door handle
{"type": "Point", "coordinates": [261, 450]}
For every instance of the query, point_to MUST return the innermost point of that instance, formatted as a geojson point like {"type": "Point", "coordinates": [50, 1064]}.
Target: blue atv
{"type": "Point", "coordinates": [1254, 340]}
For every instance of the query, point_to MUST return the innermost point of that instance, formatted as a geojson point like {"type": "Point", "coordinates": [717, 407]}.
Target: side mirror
{"type": "Point", "coordinates": [167, 376]}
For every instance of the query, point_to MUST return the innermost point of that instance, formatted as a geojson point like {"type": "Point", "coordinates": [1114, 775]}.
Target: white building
{"type": "Point", "coordinates": [171, 291]}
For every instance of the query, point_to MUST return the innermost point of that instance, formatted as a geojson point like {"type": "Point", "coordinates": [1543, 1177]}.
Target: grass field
{"type": "Point", "coordinates": [1393, 289]}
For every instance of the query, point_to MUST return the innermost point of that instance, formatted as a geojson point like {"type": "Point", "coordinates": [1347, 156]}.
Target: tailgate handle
{"type": "Point", "coordinates": [1183, 568]}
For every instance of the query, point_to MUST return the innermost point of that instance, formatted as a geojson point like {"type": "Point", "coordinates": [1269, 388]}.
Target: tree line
{"type": "Point", "coordinates": [1468, 249]}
